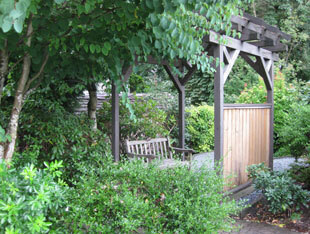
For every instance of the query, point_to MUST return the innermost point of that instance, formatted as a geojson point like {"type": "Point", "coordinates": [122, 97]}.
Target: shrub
{"type": "Point", "coordinates": [30, 199]}
{"type": "Point", "coordinates": [295, 134]}
{"type": "Point", "coordinates": [200, 128]}
{"type": "Point", "coordinates": [280, 190]}
{"type": "Point", "coordinates": [48, 132]}
{"type": "Point", "coordinates": [132, 197]}
{"type": "Point", "coordinates": [301, 173]}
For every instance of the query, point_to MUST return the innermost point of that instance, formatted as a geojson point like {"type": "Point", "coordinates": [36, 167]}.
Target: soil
{"type": "Point", "coordinates": [298, 221]}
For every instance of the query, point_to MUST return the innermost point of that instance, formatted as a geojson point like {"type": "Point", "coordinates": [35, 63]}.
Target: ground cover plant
{"type": "Point", "coordinates": [131, 196]}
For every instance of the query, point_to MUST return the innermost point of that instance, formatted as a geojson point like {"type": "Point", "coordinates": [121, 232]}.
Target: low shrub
{"type": "Point", "coordinates": [31, 201]}
{"type": "Point", "coordinates": [280, 190]}
{"type": "Point", "coordinates": [132, 197]}
{"type": "Point", "coordinates": [200, 128]}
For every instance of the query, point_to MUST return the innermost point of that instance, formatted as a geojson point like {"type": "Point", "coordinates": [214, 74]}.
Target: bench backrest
{"type": "Point", "coordinates": [158, 146]}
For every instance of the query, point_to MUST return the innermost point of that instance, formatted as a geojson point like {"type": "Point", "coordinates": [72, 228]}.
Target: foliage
{"type": "Point", "coordinates": [301, 173]}
{"type": "Point", "coordinates": [295, 134]}
{"type": "Point", "coordinates": [138, 84]}
{"type": "Point", "coordinates": [132, 197]}
{"type": "Point", "coordinates": [3, 137]}
{"type": "Point", "coordinates": [292, 17]}
{"type": "Point", "coordinates": [31, 200]}
{"type": "Point", "coordinates": [280, 190]}
{"type": "Point", "coordinates": [149, 122]}
{"type": "Point", "coordinates": [48, 132]}
{"type": "Point", "coordinates": [285, 95]}
{"type": "Point", "coordinates": [200, 128]}
{"type": "Point", "coordinates": [200, 87]}
{"type": "Point", "coordinates": [241, 76]}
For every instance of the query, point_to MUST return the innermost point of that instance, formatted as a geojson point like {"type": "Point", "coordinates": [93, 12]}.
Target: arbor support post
{"type": "Point", "coordinates": [115, 123]}
{"type": "Point", "coordinates": [218, 103]}
{"type": "Point", "coordinates": [271, 101]}
{"type": "Point", "coordinates": [182, 117]}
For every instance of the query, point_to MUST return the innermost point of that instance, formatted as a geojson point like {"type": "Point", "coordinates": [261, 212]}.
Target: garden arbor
{"type": "Point", "coordinates": [243, 132]}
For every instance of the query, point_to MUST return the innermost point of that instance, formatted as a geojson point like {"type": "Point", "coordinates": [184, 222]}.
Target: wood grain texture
{"type": "Point", "coordinates": [246, 140]}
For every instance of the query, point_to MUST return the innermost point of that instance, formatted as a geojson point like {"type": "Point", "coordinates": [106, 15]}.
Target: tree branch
{"type": "Point", "coordinates": [36, 76]}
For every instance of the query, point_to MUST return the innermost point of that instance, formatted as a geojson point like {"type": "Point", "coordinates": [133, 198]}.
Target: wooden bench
{"type": "Point", "coordinates": [158, 148]}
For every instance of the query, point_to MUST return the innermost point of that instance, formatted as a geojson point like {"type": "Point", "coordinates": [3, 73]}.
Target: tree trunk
{"type": "Point", "coordinates": [18, 100]}
{"type": "Point", "coordinates": [92, 104]}
{"type": "Point", "coordinates": [254, 8]}
{"type": "Point", "coordinates": [4, 59]}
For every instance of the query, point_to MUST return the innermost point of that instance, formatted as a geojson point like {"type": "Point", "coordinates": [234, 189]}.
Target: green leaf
{"type": "Point", "coordinates": [7, 24]}
{"type": "Point", "coordinates": [18, 25]}
{"type": "Point", "coordinates": [175, 33]}
{"type": "Point", "coordinates": [164, 22]}
{"type": "Point", "coordinates": [92, 48]}
{"type": "Point", "coordinates": [104, 51]}
{"type": "Point", "coordinates": [107, 45]}
{"type": "Point", "coordinates": [149, 4]}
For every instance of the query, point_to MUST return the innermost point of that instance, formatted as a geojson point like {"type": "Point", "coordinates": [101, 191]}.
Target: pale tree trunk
{"type": "Point", "coordinates": [254, 8]}
{"type": "Point", "coordinates": [92, 104]}
{"type": "Point", "coordinates": [4, 59]}
{"type": "Point", "coordinates": [18, 101]}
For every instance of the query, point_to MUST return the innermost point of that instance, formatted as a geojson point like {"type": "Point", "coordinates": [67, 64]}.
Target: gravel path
{"type": "Point", "coordinates": [279, 164]}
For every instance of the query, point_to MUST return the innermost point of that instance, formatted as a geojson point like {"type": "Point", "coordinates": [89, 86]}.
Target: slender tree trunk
{"type": "Point", "coordinates": [92, 104]}
{"type": "Point", "coordinates": [254, 8]}
{"type": "Point", "coordinates": [18, 101]}
{"type": "Point", "coordinates": [4, 59]}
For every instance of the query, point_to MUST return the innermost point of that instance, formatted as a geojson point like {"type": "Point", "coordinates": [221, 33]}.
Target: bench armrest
{"type": "Point", "coordinates": [182, 150]}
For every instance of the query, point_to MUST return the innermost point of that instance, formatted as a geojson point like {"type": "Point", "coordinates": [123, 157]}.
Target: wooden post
{"type": "Point", "coordinates": [182, 117]}
{"type": "Point", "coordinates": [271, 101]}
{"type": "Point", "coordinates": [115, 123]}
{"type": "Point", "coordinates": [218, 104]}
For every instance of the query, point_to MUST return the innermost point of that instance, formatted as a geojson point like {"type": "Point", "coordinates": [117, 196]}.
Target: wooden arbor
{"type": "Point", "coordinates": [243, 133]}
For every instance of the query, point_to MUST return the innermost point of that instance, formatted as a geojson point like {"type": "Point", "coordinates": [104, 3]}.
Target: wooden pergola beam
{"type": "Point", "coordinates": [245, 47]}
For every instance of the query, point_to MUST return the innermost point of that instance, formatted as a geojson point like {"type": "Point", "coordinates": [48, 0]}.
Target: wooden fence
{"type": "Point", "coordinates": [246, 138]}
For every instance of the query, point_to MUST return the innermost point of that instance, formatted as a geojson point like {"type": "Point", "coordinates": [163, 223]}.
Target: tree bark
{"type": "Point", "coordinates": [4, 59]}
{"type": "Point", "coordinates": [92, 104]}
{"type": "Point", "coordinates": [18, 100]}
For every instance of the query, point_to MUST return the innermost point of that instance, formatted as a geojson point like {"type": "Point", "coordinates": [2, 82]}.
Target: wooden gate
{"type": "Point", "coordinates": [246, 138]}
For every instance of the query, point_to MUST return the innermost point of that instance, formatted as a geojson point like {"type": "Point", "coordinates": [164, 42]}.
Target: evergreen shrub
{"type": "Point", "coordinates": [200, 128]}
{"type": "Point", "coordinates": [280, 190]}
{"type": "Point", "coordinates": [131, 196]}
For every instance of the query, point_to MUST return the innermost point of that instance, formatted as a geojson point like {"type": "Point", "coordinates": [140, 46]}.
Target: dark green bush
{"type": "Point", "coordinates": [280, 190]}
{"type": "Point", "coordinates": [200, 128]}
{"type": "Point", "coordinates": [48, 132]}
{"type": "Point", "coordinates": [131, 196]}
{"type": "Point", "coordinates": [295, 134]}
{"type": "Point", "coordinates": [301, 173]}
{"type": "Point", "coordinates": [31, 201]}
